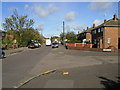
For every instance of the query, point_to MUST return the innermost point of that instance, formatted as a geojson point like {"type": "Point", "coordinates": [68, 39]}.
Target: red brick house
{"type": "Point", "coordinates": [105, 35]}
{"type": "Point", "coordinates": [86, 34]}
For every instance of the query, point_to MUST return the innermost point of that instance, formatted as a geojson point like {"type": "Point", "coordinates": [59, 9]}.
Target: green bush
{"type": "Point", "coordinates": [22, 44]}
{"type": "Point", "coordinates": [6, 42]}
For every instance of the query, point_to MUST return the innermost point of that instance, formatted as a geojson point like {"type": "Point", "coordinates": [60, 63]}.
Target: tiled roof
{"type": "Point", "coordinates": [88, 30]}
{"type": "Point", "coordinates": [110, 22]}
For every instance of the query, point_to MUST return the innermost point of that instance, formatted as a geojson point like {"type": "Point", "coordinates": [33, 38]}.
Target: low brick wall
{"type": "Point", "coordinates": [79, 45]}
{"type": "Point", "coordinates": [87, 47]}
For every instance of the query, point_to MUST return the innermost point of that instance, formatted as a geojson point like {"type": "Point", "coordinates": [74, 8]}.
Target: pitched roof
{"type": "Point", "coordinates": [85, 31]}
{"type": "Point", "coordinates": [111, 22]}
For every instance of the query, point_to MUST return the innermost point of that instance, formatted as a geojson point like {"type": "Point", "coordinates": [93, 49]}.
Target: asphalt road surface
{"type": "Point", "coordinates": [97, 76]}
{"type": "Point", "coordinates": [24, 65]}
{"type": "Point", "coordinates": [16, 68]}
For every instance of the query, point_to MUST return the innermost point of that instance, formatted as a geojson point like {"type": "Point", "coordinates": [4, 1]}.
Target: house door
{"type": "Point", "coordinates": [119, 43]}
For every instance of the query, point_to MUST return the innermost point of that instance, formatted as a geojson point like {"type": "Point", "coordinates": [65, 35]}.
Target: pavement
{"type": "Point", "coordinates": [14, 51]}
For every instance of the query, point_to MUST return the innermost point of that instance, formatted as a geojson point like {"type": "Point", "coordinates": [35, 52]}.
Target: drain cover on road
{"type": "Point", "coordinates": [59, 84]}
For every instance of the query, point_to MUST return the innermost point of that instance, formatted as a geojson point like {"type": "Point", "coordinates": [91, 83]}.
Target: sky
{"type": "Point", "coordinates": [49, 16]}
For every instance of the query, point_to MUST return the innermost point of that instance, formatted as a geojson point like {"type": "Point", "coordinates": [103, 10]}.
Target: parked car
{"type": "Point", "coordinates": [34, 45]}
{"type": "Point", "coordinates": [2, 54]}
{"type": "Point", "coordinates": [31, 45]}
{"type": "Point", "coordinates": [55, 45]}
{"type": "Point", "coordinates": [39, 44]}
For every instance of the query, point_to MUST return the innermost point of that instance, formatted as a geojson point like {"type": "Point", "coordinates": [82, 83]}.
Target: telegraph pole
{"type": "Point", "coordinates": [63, 33]}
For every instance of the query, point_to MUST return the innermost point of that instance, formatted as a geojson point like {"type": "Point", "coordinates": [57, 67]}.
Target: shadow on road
{"type": "Point", "coordinates": [110, 84]}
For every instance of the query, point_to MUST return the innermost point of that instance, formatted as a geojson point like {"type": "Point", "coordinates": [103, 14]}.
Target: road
{"type": "Point", "coordinates": [24, 65]}
{"type": "Point", "coordinates": [77, 77]}
{"type": "Point", "coordinates": [17, 67]}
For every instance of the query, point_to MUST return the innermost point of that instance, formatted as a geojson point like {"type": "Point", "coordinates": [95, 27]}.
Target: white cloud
{"type": "Point", "coordinates": [13, 8]}
{"type": "Point", "coordinates": [9, 17]}
{"type": "Point", "coordinates": [49, 35]}
{"type": "Point", "coordinates": [52, 8]}
{"type": "Point", "coordinates": [76, 27]}
{"type": "Point", "coordinates": [97, 22]}
{"type": "Point", "coordinates": [26, 6]}
{"type": "Point", "coordinates": [40, 26]}
{"type": "Point", "coordinates": [100, 6]}
{"type": "Point", "coordinates": [45, 11]}
{"type": "Point", "coordinates": [70, 16]}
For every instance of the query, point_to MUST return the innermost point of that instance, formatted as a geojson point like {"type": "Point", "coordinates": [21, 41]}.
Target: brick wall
{"type": "Point", "coordinates": [79, 45]}
{"type": "Point", "coordinates": [111, 33]}
{"type": "Point", "coordinates": [89, 37]}
{"type": "Point", "coordinates": [119, 32]}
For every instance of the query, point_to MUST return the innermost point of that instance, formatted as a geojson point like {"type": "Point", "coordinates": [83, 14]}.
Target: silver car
{"type": "Point", "coordinates": [55, 45]}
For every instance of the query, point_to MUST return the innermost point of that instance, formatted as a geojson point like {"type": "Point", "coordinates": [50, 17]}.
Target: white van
{"type": "Point", "coordinates": [48, 42]}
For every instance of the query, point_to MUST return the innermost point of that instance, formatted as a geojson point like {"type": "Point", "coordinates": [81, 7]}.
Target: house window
{"type": "Point", "coordinates": [102, 29]}
{"type": "Point", "coordinates": [98, 29]}
{"type": "Point", "coordinates": [109, 40]}
{"type": "Point", "coordinates": [92, 32]}
{"type": "Point", "coordinates": [95, 31]}
{"type": "Point", "coordinates": [95, 41]}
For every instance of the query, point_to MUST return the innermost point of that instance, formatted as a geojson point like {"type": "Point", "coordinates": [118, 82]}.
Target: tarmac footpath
{"type": "Point", "coordinates": [15, 51]}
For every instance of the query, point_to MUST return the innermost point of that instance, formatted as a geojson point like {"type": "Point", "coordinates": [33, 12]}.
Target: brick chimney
{"type": "Point", "coordinates": [78, 32]}
{"type": "Point", "coordinates": [105, 20]}
{"type": "Point", "coordinates": [93, 25]}
{"type": "Point", "coordinates": [115, 17]}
